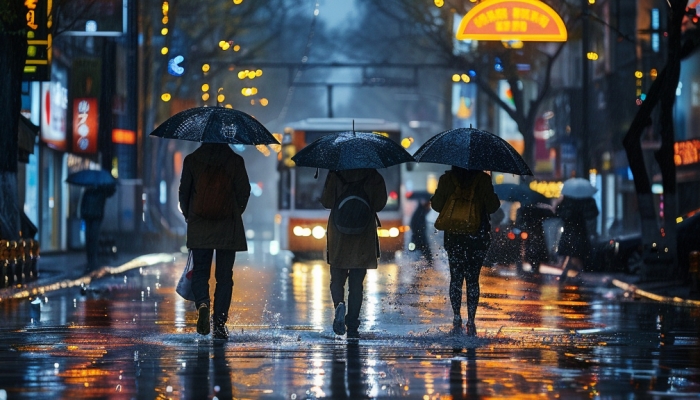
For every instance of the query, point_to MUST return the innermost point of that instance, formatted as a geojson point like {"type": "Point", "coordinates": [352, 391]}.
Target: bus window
{"type": "Point", "coordinates": [308, 190]}
{"type": "Point", "coordinates": [392, 179]}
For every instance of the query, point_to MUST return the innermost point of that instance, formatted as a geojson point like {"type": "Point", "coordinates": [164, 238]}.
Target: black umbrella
{"type": "Point", "coordinates": [215, 125]}
{"type": "Point", "coordinates": [92, 177]}
{"type": "Point", "coordinates": [352, 150]}
{"type": "Point", "coordinates": [521, 193]}
{"type": "Point", "coordinates": [472, 149]}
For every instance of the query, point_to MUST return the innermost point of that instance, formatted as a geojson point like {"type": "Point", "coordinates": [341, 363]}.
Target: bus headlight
{"type": "Point", "coordinates": [318, 232]}
{"type": "Point", "coordinates": [394, 232]}
{"type": "Point", "coordinates": [299, 231]}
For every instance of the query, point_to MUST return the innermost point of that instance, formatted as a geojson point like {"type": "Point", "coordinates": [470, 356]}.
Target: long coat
{"type": "Point", "coordinates": [575, 213]}
{"type": "Point", "coordinates": [225, 233]}
{"type": "Point", "coordinates": [360, 250]}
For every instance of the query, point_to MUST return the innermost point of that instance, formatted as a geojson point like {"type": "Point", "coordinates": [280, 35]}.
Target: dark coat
{"type": "Point", "coordinates": [530, 219]}
{"type": "Point", "coordinates": [92, 204]}
{"type": "Point", "coordinates": [225, 233]}
{"type": "Point", "coordinates": [353, 251]}
{"type": "Point", "coordinates": [575, 214]}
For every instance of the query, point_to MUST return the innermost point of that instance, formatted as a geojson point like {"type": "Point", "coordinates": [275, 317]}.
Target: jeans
{"type": "Point", "coordinates": [224, 280]}
{"type": "Point", "coordinates": [355, 287]}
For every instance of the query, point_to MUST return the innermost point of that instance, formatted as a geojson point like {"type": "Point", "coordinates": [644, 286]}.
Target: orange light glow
{"type": "Point", "coordinates": [123, 136]}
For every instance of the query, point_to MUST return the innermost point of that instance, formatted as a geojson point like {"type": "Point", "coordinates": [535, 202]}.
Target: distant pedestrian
{"type": "Point", "coordinates": [466, 247]}
{"type": "Point", "coordinates": [92, 207]}
{"type": "Point", "coordinates": [419, 230]}
{"type": "Point", "coordinates": [530, 219]}
{"type": "Point", "coordinates": [574, 245]}
{"type": "Point", "coordinates": [214, 192]}
{"type": "Point", "coordinates": [354, 197]}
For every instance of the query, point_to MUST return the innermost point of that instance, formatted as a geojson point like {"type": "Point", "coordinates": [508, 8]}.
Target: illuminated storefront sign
{"type": "Point", "coordinates": [85, 122]}
{"type": "Point", "coordinates": [37, 64]}
{"type": "Point", "coordinates": [54, 107]}
{"type": "Point", "coordinates": [524, 20]}
{"type": "Point", "coordinates": [123, 136]}
{"type": "Point", "coordinates": [686, 152]}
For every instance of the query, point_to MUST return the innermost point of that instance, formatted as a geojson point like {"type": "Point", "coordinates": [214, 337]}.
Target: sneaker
{"type": "Point", "coordinates": [203, 319]}
{"type": "Point", "coordinates": [471, 328]}
{"type": "Point", "coordinates": [339, 320]}
{"type": "Point", "coordinates": [353, 335]}
{"type": "Point", "coordinates": [220, 331]}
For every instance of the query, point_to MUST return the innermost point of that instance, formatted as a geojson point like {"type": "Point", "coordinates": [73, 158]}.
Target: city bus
{"type": "Point", "coordinates": [301, 222]}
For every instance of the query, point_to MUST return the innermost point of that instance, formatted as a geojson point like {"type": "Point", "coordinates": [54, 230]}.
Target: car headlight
{"type": "Point", "coordinates": [318, 232]}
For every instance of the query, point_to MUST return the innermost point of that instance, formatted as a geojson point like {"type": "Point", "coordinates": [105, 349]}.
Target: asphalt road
{"type": "Point", "coordinates": [129, 335]}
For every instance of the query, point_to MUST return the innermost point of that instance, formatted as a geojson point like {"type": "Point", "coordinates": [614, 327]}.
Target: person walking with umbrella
{"type": "Point", "coordinates": [467, 228]}
{"type": "Point", "coordinates": [92, 205]}
{"type": "Point", "coordinates": [466, 251]}
{"type": "Point", "coordinates": [419, 229]}
{"type": "Point", "coordinates": [214, 192]}
{"type": "Point", "coordinates": [355, 192]}
{"type": "Point", "coordinates": [99, 185]}
{"type": "Point", "coordinates": [576, 209]}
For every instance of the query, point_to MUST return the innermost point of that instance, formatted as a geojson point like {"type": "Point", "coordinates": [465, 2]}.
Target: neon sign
{"type": "Point", "coordinates": [507, 20]}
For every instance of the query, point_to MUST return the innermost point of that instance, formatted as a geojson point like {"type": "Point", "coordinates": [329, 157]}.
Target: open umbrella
{"type": "Point", "coordinates": [578, 188]}
{"type": "Point", "coordinates": [215, 125]}
{"type": "Point", "coordinates": [472, 148]}
{"type": "Point", "coordinates": [352, 150]}
{"type": "Point", "coordinates": [520, 193]}
{"type": "Point", "coordinates": [91, 177]}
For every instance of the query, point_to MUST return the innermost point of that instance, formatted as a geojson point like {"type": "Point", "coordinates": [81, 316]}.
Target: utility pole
{"type": "Point", "coordinates": [585, 44]}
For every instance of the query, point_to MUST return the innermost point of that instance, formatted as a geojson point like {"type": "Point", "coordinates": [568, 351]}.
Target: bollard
{"type": "Point", "coordinates": [694, 269]}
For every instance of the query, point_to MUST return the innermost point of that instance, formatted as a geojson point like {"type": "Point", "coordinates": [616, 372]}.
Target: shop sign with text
{"type": "Point", "coordinates": [85, 123]}
{"type": "Point", "coordinates": [506, 20]}
{"type": "Point", "coordinates": [38, 61]}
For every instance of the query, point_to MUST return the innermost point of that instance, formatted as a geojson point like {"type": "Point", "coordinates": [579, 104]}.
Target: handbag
{"type": "Point", "coordinates": [461, 213]}
{"type": "Point", "coordinates": [184, 285]}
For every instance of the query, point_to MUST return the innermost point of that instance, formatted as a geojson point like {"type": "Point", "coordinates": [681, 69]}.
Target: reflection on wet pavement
{"type": "Point", "coordinates": [132, 336]}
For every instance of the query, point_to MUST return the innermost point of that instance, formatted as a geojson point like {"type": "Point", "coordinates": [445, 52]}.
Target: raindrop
{"type": "Point", "coordinates": [136, 355]}
{"type": "Point", "coordinates": [169, 389]}
{"type": "Point", "coordinates": [217, 388]}
{"type": "Point", "coordinates": [148, 290]}
{"type": "Point", "coordinates": [184, 364]}
{"type": "Point", "coordinates": [124, 278]}
{"type": "Point", "coordinates": [119, 388]}
{"type": "Point", "coordinates": [55, 365]}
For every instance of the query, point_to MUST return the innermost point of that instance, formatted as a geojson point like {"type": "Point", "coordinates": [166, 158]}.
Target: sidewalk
{"type": "Point", "coordinates": [67, 269]}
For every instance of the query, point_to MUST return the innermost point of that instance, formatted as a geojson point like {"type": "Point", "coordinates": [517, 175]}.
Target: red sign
{"type": "Point", "coordinates": [85, 123]}
{"type": "Point", "coordinates": [524, 20]}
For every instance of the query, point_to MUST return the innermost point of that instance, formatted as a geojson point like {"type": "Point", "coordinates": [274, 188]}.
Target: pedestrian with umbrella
{"type": "Point", "coordinates": [418, 226]}
{"type": "Point", "coordinates": [213, 194]}
{"type": "Point", "coordinates": [576, 209]}
{"type": "Point", "coordinates": [355, 192]}
{"type": "Point", "coordinates": [99, 185]}
{"type": "Point", "coordinates": [465, 198]}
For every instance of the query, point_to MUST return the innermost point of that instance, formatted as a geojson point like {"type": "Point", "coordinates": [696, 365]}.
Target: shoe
{"type": "Point", "coordinates": [457, 328]}
{"type": "Point", "coordinates": [220, 331]}
{"type": "Point", "coordinates": [203, 319]}
{"type": "Point", "coordinates": [353, 335]}
{"type": "Point", "coordinates": [339, 320]}
{"type": "Point", "coordinates": [471, 328]}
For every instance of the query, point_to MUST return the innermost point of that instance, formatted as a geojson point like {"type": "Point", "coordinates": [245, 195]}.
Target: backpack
{"type": "Point", "coordinates": [352, 212]}
{"type": "Point", "coordinates": [213, 193]}
{"type": "Point", "coordinates": [462, 212]}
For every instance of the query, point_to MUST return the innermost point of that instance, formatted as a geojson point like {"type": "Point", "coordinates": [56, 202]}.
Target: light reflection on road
{"type": "Point", "coordinates": [133, 337]}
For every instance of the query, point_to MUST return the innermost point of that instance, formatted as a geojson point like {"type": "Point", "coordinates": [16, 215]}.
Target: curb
{"type": "Point", "coordinates": [138, 262]}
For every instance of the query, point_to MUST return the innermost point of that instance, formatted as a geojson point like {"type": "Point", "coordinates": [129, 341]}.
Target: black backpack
{"type": "Point", "coordinates": [352, 212]}
{"type": "Point", "coordinates": [213, 193]}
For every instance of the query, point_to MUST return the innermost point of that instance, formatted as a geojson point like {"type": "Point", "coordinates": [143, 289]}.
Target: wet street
{"type": "Point", "coordinates": [131, 336]}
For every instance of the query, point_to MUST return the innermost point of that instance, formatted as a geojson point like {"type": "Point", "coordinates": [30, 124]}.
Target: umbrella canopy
{"type": "Point", "coordinates": [215, 125]}
{"type": "Point", "coordinates": [352, 150]}
{"type": "Point", "coordinates": [520, 193]}
{"type": "Point", "coordinates": [578, 188]}
{"type": "Point", "coordinates": [472, 149]}
{"type": "Point", "coordinates": [91, 177]}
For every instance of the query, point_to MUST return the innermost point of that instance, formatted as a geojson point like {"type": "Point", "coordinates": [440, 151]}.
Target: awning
{"type": "Point", "coordinates": [26, 137]}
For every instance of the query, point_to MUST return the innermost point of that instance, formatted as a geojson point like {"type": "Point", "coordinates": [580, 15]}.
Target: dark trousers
{"type": "Point", "coordinates": [356, 277]}
{"type": "Point", "coordinates": [92, 241]}
{"type": "Point", "coordinates": [224, 280]}
{"type": "Point", "coordinates": [465, 256]}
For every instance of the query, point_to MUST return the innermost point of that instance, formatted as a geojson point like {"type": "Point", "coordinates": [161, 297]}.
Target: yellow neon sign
{"type": "Point", "coordinates": [525, 20]}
